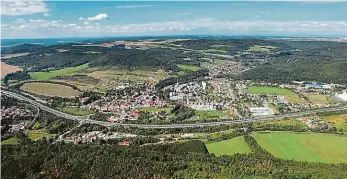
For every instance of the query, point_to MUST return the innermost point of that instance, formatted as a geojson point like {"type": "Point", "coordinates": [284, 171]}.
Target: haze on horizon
{"type": "Point", "coordinates": [55, 19]}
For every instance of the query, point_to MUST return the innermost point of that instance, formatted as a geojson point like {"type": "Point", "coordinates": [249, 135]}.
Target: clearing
{"type": "Point", "coordinates": [10, 141]}
{"type": "Point", "coordinates": [188, 67]}
{"type": "Point", "coordinates": [228, 147]}
{"type": "Point", "coordinates": [7, 69]}
{"type": "Point", "coordinates": [37, 134]}
{"type": "Point", "coordinates": [312, 147]}
{"type": "Point", "coordinates": [269, 90]}
{"type": "Point", "coordinates": [51, 74]}
{"type": "Point", "coordinates": [50, 89]}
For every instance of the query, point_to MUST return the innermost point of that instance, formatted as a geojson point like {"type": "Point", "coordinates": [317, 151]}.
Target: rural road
{"type": "Point", "coordinates": [108, 124]}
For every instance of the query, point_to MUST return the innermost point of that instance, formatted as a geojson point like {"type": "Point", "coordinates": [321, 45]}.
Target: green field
{"type": "Point", "coordinates": [154, 109]}
{"type": "Point", "coordinates": [77, 112]}
{"type": "Point", "coordinates": [269, 90]}
{"type": "Point", "coordinates": [318, 99]}
{"type": "Point", "coordinates": [228, 147]}
{"type": "Point", "coordinates": [10, 141]}
{"type": "Point", "coordinates": [188, 67]}
{"type": "Point", "coordinates": [338, 121]}
{"type": "Point", "coordinates": [211, 114]}
{"type": "Point", "coordinates": [51, 74]}
{"type": "Point", "coordinates": [50, 89]}
{"type": "Point", "coordinates": [313, 147]}
{"type": "Point", "coordinates": [36, 134]}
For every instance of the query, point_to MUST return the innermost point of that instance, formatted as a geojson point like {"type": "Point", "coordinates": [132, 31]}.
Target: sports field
{"type": "Point", "coordinates": [50, 89]}
{"type": "Point", "coordinates": [51, 74]}
{"type": "Point", "coordinates": [313, 147]}
{"type": "Point", "coordinates": [188, 67]}
{"type": "Point", "coordinates": [269, 90]}
{"type": "Point", "coordinates": [228, 147]}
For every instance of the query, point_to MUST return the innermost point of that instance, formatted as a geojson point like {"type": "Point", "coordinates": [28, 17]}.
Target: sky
{"type": "Point", "coordinates": [55, 19]}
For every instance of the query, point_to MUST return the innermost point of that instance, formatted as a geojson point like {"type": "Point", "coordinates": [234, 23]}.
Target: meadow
{"type": "Point", "coordinates": [294, 98]}
{"type": "Point", "coordinates": [154, 109]}
{"type": "Point", "coordinates": [50, 89]}
{"type": "Point", "coordinates": [228, 147]}
{"type": "Point", "coordinates": [188, 67]}
{"type": "Point", "coordinates": [318, 99]}
{"type": "Point", "coordinates": [211, 114]}
{"type": "Point", "coordinates": [312, 147]}
{"type": "Point", "coordinates": [338, 121]}
{"type": "Point", "coordinates": [269, 90]}
{"type": "Point", "coordinates": [77, 111]}
{"type": "Point", "coordinates": [37, 134]}
{"type": "Point", "coordinates": [260, 48]}
{"type": "Point", "coordinates": [51, 74]}
{"type": "Point", "coordinates": [10, 141]}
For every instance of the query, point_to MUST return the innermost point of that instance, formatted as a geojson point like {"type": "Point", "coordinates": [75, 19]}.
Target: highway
{"type": "Point", "coordinates": [108, 124]}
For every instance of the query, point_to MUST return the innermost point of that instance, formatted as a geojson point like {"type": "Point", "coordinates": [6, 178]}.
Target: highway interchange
{"type": "Point", "coordinates": [109, 124]}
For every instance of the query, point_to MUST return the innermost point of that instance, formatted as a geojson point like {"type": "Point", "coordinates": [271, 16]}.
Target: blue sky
{"type": "Point", "coordinates": [46, 19]}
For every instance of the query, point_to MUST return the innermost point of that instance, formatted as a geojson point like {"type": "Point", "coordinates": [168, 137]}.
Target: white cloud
{"type": "Point", "coordinates": [22, 7]}
{"type": "Point", "coordinates": [98, 17]}
{"type": "Point", "coordinates": [47, 14]}
{"type": "Point", "coordinates": [132, 6]}
{"type": "Point", "coordinates": [86, 23]}
{"type": "Point", "coordinates": [81, 19]}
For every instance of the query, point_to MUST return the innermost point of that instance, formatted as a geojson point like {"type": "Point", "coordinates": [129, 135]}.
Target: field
{"type": "Point", "coordinates": [154, 109]}
{"type": "Point", "coordinates": [51, 74]}
{"type": "Point", "coordinates": [269, 90]}
{"type": "Point", "coordinates": [50, 89]}
{"type": "Point", "coordinates": [312, 147]}
{"type": "Point", "coordinates": [36, 134]}
{"type": "Point", "coordinates": [259, 48]}
{"type": "Point", "coordinates": [77, 112]}
{"type": "Point", "coordinates": [10, 141]}
{"type": "Point", "coordinates": [318, 99]}
{"type": "Point", "coordinates": [283, 122]}
{"type": "Point", "coordinates": [228, 147]}
{"type": "Point", "coordinates": [6, 69]}
{"type": "Point", "coordinates": [211, 114]}
{"type": "Point", "coordinates": [188, 67]}
{"type": "Point", "coordinates": [214, 51]}
{"type": "Point", "coordinates": [338, 121]}
{"type": "Point", "coordinates": [294, 98]}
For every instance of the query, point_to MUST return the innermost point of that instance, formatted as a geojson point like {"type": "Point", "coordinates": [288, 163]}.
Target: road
{"type": "Point", "coordinates": [108, 124]}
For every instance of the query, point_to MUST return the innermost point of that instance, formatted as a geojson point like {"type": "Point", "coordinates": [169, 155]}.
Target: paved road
{"type": "Point", "coordinates": [108, 124]}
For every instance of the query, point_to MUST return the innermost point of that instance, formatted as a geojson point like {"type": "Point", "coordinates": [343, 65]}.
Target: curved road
{"type": "Point", "coordinates": [108, 124]}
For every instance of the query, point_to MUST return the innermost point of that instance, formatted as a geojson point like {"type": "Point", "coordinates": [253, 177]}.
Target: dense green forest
{"type": "Point", "coordinates": [185, 160]}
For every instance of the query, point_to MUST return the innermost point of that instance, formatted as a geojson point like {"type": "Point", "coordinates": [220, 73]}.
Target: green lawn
{"type": "Point", "coordinates": [154, 109]}
{"type": "Point", "coordinates": [313, 147]}
{"type": "Point", "coordinates": [10, 141]}
{"type": "Point", "coordinates": [269, 90]}
{"type": "Point", "coordinates": [228, 147]}
{"type": "Point", "coordinates": [36, 134]}
{"type": "Point", "coordinates": [76, 111]}
{"type": "Point", "coordinates": [51, 74]}
{"type": "Point", "coordinates": [211, 114]}
{"type": "Point", "coordinates": [188, 67]}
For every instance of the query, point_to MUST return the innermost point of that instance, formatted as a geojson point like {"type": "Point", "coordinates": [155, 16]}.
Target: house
{"type": "Point", "coordinates": [124, 143]}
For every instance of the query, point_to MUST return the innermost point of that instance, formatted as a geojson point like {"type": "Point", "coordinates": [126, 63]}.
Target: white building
{"type": "Point", "coordinates": [261, 111]}
{"type": "Point", "coordinates": [342, 97]}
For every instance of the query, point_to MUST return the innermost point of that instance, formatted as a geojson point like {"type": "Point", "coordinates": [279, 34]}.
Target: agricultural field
{"type": "Point", "coordinates": [312, 147]}
{"type": "Point", "coordinates": [50, 89]}
{"type": "Point", "coordinates": [10, 141]}
{"type": "Point", "coordinates": [37, 134]}
{"type": "Point", "coordinates": [76, 111]}
{"type": "Point", "coordinates": [6, 69]}
{"type": "Point", "coordinates": [188, 67]}
{"type": "Point", "coordinates": [214, 51]}
{"type": "Point", "coordinates": [228, 147]}
{"type": "Point", "coordinates": [287, 122]}
{"type": "Point", "coordinates": [318, 98]}
{"type": "Point", "coordinates": [259, 48]}
{"type": "Point", "coordinates": [269, 90]}
{"type": "Point", "coordinates": [294, 98]}
{"type": "Point", "coordinates": [338, 121]}
{"type": "Point", "coordinates": [211, 114]}
{"type": "Point", "coordinates": [51, 74]}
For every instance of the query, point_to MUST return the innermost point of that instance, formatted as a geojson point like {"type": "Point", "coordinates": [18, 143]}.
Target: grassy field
{"type": "Point", "coordinates": [76, 111]}
{"type": "Point", "coordinates": [51, 74]}
{"type": "Point", "coordinates": [259, 48]}
{"type": "Point", "coordinates": [313, 147]}
{"type": "Point", "coordinates": [318, 99]}
{"type": "Point", "coordinates": [294, 98]}
{"type": "Point", "coordinates": [188, 67]}
{"type": "Point", "coordinates": [339, 121]}
{"type": "Point", "coordinates": [36, 134]}
{"type": "Point", "coordinates": [228, 147]}
{"type": "Point", "coordinates": [269, 90]}
{"type": "Point", "coordinates": [214, 51]}
{"type": "Point", "coordinates": [154, 109]}
{"type": "Point", "coordinates": [282, 122]}
{"type": "Point", "coordinates": [50, 89]}
{"type": "Point", "coordinates": [10, 141]}
{"type": "Point", "coordinates": [211, 114]}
